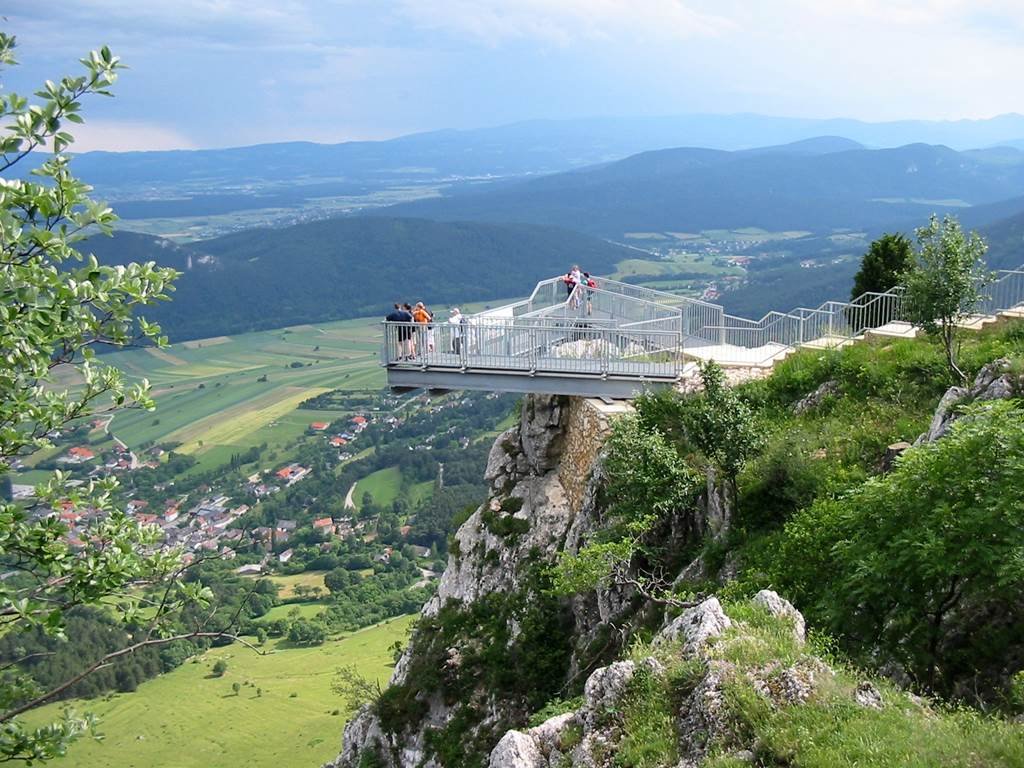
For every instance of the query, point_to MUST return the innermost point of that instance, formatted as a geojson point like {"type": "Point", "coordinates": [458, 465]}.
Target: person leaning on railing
{"type": "Point", "coordinates": [404, 331]}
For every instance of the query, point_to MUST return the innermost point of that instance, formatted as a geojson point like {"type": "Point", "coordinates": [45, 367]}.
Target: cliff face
{"type": "Point", "coordinates": [492, 645]}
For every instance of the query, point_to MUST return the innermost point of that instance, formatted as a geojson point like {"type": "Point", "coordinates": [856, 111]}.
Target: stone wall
{"type": "Point", "coordinates": [586, 429]}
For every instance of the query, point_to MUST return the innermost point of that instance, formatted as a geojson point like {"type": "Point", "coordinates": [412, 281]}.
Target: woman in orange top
{"type": "Point", "coordinates": [421, 317]}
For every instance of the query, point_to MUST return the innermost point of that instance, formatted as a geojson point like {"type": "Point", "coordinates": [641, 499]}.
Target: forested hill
{"type": "Point", "coordinates": [812, 188]}
{"type": "Point", "coordinates": [354, 267]}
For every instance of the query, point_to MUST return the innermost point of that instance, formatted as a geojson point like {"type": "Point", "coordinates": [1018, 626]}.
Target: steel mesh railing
{"type": "Point", "coordinates": [620, 328]}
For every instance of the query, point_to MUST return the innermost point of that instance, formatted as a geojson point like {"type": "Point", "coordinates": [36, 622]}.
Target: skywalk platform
{"type": "Point", "coordinates": [618, 340]}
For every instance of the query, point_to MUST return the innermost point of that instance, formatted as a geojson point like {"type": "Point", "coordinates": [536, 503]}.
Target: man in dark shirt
{"type": "Point", "coordinates": [404, 334]}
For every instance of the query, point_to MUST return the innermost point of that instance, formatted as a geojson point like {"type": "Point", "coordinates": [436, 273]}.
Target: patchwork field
{"type": "Point", "coordinates": [223, 395]}
{"type": "Point", "coordinates": [190, 719]}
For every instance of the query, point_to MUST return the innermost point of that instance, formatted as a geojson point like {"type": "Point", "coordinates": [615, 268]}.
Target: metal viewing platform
{"type": "Point", "coordinates": [619, 339]}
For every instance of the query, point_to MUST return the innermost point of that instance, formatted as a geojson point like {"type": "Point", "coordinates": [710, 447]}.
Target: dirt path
{"type": "Point", "coordinates": [349, 503]}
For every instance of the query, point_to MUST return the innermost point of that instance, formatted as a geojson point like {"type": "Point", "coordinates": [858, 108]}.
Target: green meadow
{"type": "Point", "coordinates": [385, 485]}
{"type": "Point", "coordinates": [285, 714]}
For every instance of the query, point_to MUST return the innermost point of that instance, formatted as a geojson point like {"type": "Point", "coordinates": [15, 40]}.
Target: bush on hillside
{"type": "Point", "coordinates": [922, 567]}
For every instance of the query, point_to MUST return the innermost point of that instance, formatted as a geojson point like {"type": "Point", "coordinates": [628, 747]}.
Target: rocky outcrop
{"type": "Point", "coordinates": [996, 381]}
{"type": "Point", "coordinates": [814, 400]}
{"type": "Point", "coordinates": [542, 501]}
{"type": "Point", "coordinates": [783, 609]}
{"type": "Point", "coordinates": [694, 627]}
{"type": "Point", "coordinates": [544, 478]}
{"type": "Point", "coordinates": [589, 737]}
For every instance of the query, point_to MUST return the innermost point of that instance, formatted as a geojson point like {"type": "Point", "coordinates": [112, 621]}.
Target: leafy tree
{"type": "Point", "coordinates": [236, 687]}
{"type": "Point", "coordinates": [56, 308]}
{"type": "Point", "coordinates": [219, 668]}
{"type": "Point", "coordinates": [946, 282]}
{"type": "Point", "coordinates": [721, 425]}
{"type": "Point", "coordinates": [306, 632]}
{"type": "Point", "coordinates": [882, 267]}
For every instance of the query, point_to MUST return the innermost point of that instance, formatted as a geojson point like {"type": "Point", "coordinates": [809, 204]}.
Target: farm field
{"type": "Point", "coordinates": [287, 584]}
{"type": "Point", "coordinates": [674, 264]}
{"type": "Point", "coordinates": [189, 719]}
{"type": "Point", "coordinates": [221, 396]}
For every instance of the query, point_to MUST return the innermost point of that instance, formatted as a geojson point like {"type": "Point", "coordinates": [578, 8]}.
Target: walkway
{"type": "Point", "coordinates": [620, 339]}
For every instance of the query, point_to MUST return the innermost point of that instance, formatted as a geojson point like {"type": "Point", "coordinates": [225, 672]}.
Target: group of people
{"type": "Point", "coordinates": [575, 277]}
{"type": "Point", "coordinates": [416, 334]}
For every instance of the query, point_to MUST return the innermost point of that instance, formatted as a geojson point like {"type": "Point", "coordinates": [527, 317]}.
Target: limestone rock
{"type": "Point", "coordinates": [867, 695]}
{"type": "Point", "coordinates": [827, 389]}
{"type": "Point", "coordinates": [604, 690]}
{"type": "Point", "coordinates": [695, 626]}
{"type": "Point", "coordinates": [785, 685]}
{"type": "Point", "coordinates": [548, 735]}
{"type": "Point", "coordinates": [993, 382]}
{"type": "Point", "coordinates": [783, 609]}
{"type": "Point", "coordinates": [704, 715]}
{"type": "Point", "coordinates": [517, 750]}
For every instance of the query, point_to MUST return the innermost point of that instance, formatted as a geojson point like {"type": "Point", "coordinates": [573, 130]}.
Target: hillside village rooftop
{"type": "Point", "coordinates": [619, 339]}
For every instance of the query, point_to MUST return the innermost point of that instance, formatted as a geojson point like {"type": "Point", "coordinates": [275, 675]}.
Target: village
{"type": "Point", "coordinates": [225, 515]}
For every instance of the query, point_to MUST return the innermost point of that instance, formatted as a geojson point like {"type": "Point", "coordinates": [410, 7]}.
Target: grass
{"type": "Point", "coordinates": [830, 729]}
{"type": "Point", "coordinates": [385, 485]}
{"type": "Point", "coordinates": [305, 611]}
{"type": "Point", "coordinates": [188, 719]}
{"type": "Point", "coordinates": [287, 584]}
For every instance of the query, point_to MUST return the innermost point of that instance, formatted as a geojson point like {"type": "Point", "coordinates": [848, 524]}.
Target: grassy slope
{"type": "Point", "coordinates": [384, 485]}
{"type": "Point", "coordinates": [187, 719]}
{"type": "Point", "coordinates": [826, 731]}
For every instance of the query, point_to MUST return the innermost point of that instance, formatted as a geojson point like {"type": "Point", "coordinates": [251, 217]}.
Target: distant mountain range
{"type": "Point", "coordinates": [817, 185]}
{"type": "Point", "coordinates": [532, 147]}
{"type": "Point", "coordinates": [352, 267]}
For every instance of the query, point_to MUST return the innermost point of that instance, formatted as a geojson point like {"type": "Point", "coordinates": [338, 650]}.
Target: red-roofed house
{"type": "Point", "coordinates": [319, 426]}
{"type": "Point", "coordinates": [81, 453]}
{"type": "Point", "coordinates": [338, 441]}
{"type": "Point", "coordinates": [323, 525]}
{"type": "Point", "coordinates": [359, 420]}
{"type": "Point", "coordinates": [292, 473]}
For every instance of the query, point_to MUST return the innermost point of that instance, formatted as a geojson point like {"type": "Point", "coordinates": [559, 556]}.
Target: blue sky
{"type": "Point", "coordinates": [212, 73]}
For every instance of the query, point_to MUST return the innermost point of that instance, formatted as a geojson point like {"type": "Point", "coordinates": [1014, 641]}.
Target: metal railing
{"type": "Point", "coordinates": [621, 329]}
{"type": "Point", "coordinates": [532, 346]}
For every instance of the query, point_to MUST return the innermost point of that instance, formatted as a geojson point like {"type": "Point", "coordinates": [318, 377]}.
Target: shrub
{"type": "Point", "coordinates": [922, 566]}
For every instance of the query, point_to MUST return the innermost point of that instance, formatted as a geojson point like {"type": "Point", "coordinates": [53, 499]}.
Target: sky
{"type": "Point", "coordinates": [216, 73]}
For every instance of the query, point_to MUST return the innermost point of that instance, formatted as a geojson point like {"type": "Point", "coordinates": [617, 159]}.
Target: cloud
{"type": "Point", "coordinates": [126, 136]}
{"type": "Point", "coordinates": [225, 72]}
{"type": "Point", "coordinates": [564, 21]}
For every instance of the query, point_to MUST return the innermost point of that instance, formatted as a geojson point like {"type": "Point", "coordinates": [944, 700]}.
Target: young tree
{"type": "Point", "coordinates": [882, 267]}
{"type": "Point", "coordinates": [721, 425]}
{"type": "Point", "coordinates": [219, 668]}
{"type": "Point", "coordinates": [947, 281]}
{"type": "Point", "coordinates": [56, 307]}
